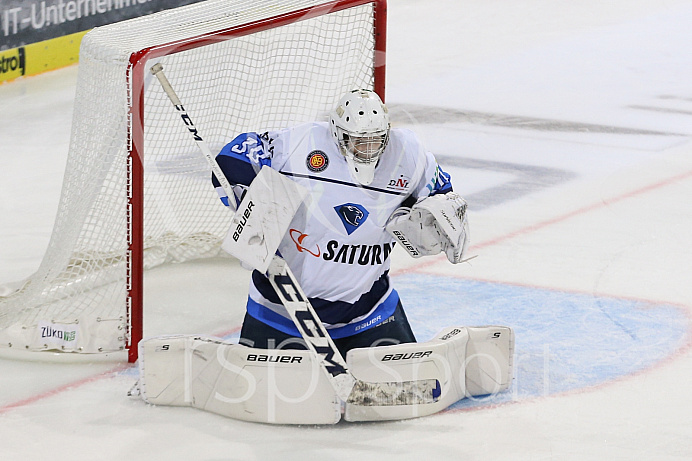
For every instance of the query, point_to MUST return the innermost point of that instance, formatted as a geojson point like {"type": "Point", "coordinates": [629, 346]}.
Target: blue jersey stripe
{"type": "Point", "coordinates": [443, 184]}
{"type": "Point", "coordinates": [381, 313]}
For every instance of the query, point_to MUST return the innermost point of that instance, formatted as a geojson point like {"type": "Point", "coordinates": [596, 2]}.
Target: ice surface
{"type": "Point", "coordinates": [567, 125]}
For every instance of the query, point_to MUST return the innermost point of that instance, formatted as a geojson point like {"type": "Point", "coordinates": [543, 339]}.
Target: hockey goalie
{"type": "Point", "coordinates": [319, 209]}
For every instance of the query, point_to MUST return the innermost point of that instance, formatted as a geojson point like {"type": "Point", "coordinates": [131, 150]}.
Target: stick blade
{"type": "Point", "coordinates": [418, 392]}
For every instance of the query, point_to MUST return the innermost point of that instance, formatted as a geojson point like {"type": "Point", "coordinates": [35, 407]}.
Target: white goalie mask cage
{"type": "Point", "coordinates": [360, 126]}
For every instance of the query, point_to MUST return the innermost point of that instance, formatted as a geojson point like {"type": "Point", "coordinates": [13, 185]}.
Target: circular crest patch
{"type": "Point", "coordinates": [317, 161]}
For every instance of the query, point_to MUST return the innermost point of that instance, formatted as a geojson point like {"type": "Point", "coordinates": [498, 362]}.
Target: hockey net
{"type": "Point", "coordinates": [137, 191]}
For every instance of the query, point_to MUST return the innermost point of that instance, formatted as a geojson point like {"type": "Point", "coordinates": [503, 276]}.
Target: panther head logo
{"type": "Point", "coordinates": [352, 215]}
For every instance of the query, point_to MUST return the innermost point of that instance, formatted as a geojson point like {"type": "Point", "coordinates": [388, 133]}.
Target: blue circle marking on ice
{"type": "Point", "coordinates": [563, 341]}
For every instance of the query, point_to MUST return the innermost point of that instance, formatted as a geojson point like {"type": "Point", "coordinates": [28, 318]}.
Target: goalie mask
{"type": "Point", "coordinates": [360, 126]}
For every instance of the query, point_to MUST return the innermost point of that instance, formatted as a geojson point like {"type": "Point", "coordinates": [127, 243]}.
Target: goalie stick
{"type": "Point", "coordinates": [157, 71]}
{"type": "Point", "coordinates": [347, 387]}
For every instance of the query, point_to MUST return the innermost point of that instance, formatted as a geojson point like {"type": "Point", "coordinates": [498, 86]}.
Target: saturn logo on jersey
{"type": "Point", "coordinates": [298, 237]}
{"type": "Point", "coordinates": [352, 215]}
{"type": "Point", "coordinates": [317, 161]}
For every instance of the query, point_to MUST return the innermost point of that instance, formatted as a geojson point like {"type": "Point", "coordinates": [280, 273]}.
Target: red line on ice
{"type": "Point", "coordinates": [63, 388]}
{"type": "Point", "coordinates": [79, 383]}
{"type": "Point", "coordinates": [558, 219]}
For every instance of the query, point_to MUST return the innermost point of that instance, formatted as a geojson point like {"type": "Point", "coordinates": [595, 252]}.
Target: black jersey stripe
{"type": "Point", "coordinates": [343, 183]}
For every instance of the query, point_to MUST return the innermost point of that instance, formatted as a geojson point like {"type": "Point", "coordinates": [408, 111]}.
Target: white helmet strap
{"type": "Point", "coordinates": [364, 173]}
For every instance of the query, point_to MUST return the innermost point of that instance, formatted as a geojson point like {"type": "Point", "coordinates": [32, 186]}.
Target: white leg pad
{"type": "Point", "coordinates": [441, 358]}
{"type": "Point", "coordinates": [268, 386]}
{"type": "Point", "coordinates": [489, 360]}
{"type": "Point", "coordinates": [467, 361]}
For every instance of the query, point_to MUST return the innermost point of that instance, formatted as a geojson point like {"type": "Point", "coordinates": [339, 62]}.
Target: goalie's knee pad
{"type": "Point", "coordinates": [467, 362]}
{"type": "Point", "coordinates": [261, 385]}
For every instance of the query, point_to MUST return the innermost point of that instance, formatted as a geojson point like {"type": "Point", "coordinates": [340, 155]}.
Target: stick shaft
{"type": "Point", "coordinates": [319, 342]}
{"type": "Point", "coordinates": [157, 71]}
{"type": "Point", "coordinates": [311, 328]}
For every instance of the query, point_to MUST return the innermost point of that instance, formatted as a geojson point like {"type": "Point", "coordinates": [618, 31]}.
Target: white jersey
{"type": "Point", "coordinates": [336, 245]}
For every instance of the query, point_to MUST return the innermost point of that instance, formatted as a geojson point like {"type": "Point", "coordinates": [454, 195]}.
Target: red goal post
{"type": "Point", "coordinates": [136, 192]}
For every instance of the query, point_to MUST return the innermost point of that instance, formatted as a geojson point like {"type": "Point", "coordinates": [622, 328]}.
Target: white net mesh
{"type": "Point", "coordinates": [77, 300]}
